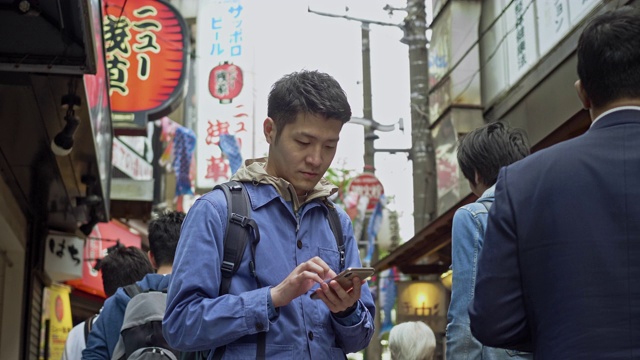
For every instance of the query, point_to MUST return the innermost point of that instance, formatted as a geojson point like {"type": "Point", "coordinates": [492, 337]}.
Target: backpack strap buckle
{"type": "Point", "coordinates": [227, 268]}
{"type": "Point", "coordinates": [239, 219]}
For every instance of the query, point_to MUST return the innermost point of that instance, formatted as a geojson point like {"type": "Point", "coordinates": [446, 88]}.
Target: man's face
{"type": "Point", "coordinates": [303, 150]}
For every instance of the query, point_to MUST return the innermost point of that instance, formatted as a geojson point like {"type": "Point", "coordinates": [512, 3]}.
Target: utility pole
{"type": "Point", "coordinates": [367, 110]}
{"type": "Point", "coordinates": [425, 191]}
{"type": "Point", "coordinates": [374, 350]}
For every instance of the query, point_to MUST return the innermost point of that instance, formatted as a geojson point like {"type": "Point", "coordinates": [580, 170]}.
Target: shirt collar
{"type": "Point", "coordinates": [637, 108]}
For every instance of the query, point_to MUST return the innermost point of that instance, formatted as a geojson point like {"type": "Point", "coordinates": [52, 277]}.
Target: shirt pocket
{"type": "Point", "coordinates": [331, 257]}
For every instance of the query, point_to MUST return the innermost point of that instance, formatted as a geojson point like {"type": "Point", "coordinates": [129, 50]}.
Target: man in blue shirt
{"type": "Point", "coordinates": [297, 251]}
{"type": "Point", "coordinates": [481, 154]}
{"type": "Point", "coordinates": [164, 233]}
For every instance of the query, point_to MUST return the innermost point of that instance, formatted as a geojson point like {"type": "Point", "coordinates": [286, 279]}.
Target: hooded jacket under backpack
{"type": "Point", "coordinates": [106, 330]}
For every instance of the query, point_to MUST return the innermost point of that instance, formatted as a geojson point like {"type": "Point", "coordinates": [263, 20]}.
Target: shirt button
{"type": "Point", "coordinates": [310, 335]}
{"type": "Point", "coordinates": [299, 244]}
{"type": "Point", "coordinates": [259, 327]}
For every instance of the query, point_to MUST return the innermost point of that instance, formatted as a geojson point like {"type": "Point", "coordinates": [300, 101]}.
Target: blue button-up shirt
{"type": "Point", "coordinates": [198, 319]}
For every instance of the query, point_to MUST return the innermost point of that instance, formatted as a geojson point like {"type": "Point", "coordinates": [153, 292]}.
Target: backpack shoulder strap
{"type": "Point", "coordinates": [237, 232]}
{"type": "Point", "coordinates": [336, 228]}
{"type": "Point", "coordinates": [236, 237]}
{"type": "Point", "coordinates": [132, 290]}
{"type": "Point", "coordinates": [88, 324]}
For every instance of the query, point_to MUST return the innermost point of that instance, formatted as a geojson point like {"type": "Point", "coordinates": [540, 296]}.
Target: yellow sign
{"type": "Point", "coordinates": [57, 317]}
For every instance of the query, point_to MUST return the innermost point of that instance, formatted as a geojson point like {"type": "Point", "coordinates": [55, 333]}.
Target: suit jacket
{"type": "Point", "coordinates": [560, 269]}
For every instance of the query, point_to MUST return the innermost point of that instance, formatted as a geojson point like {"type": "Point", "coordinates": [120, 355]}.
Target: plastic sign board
{"type": "Point", "coordinates": [63, 257]}
{"type": "Point", "coordinates": [225, 121]}
{"type": "Point", "coordinates": [367, 185]}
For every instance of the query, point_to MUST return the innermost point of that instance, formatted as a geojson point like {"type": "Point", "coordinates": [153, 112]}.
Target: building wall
{"type": "Point", "coordinates": [12, 258]}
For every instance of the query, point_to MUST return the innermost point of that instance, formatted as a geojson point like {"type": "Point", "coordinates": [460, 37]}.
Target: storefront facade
{"type": "Point", "coordinates": [56, 152]}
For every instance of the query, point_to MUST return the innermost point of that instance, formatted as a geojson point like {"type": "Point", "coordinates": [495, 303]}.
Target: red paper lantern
{"type": "Point", "coordinates": [225, 82]}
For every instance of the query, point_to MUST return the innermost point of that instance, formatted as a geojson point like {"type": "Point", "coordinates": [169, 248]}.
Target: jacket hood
{"type": "Point", "coordinates": [254, 171]}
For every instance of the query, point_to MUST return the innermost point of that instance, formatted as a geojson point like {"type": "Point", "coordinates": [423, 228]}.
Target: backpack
{"type": "Point", "coordinates": [88, 325]}
{"type": "Point", "coordinates": [240, 226]}
{"type": "Point", "coordinates": [141, 332]}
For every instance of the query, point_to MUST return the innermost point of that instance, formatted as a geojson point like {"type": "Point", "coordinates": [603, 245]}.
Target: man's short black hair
{"type": "Point", "coordinates": [310, 92]}
{"type": "Point", "coordinates": [609, 56]}
{"type": "Point", "coordinates": [488, 148]}
{"type": "Point", "coordinates": [123, 266]}
{"type": "Point", "coordinates": [164, 232]}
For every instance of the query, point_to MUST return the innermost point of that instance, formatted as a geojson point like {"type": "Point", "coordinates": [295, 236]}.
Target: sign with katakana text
{"type": "Point", "coordinates": [146, 47]}
{"type": "Point", "coordinates": [225, 99]}
{"type": "Point", "coordinates": [56, 318]}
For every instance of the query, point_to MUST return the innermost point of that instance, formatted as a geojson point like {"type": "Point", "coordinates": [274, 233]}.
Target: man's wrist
{"type": "Point", "coordinates": [346, 312]}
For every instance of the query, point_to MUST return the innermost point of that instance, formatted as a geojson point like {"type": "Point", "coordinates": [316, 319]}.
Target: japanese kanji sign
{"type": "Point", "coordinates": [146, 46]}
{"type": "Point", "coordinates": [225, 98]}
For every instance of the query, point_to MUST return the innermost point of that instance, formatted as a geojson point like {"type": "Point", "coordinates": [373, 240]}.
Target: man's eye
{"type": "Point", "coordinates": [302, 142]}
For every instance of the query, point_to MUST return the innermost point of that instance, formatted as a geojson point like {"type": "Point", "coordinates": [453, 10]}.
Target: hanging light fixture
{"type": "Point", "coordinates": [62, 143]}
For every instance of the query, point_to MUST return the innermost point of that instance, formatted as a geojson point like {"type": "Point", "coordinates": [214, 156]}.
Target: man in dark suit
{"type": "Point", "coordinates": [559, 273]}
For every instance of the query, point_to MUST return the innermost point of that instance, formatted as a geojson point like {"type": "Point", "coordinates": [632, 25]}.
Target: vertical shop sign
{"type": "Point", "coordinates": [146, 45]}
{"type": "Point", "coordinates": [56, 321]}
{"type": "Point", "coordinates": [97, 89]}
{"type": "Point", "coordinates": [225, 99]}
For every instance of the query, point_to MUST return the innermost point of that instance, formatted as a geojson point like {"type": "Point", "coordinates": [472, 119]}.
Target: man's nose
{"type": "Point", "coordinates": [314, 157]}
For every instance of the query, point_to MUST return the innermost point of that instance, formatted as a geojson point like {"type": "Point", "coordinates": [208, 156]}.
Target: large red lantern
{"type": "Point", "coordinates": [225, 82]}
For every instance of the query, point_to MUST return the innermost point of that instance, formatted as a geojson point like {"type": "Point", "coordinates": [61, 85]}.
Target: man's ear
{"type": "Point", "coordinates": [269, 129]}
{"type": "Point", "coordinates": [477, 178]}
{"type": "Point", "coordinates": [582, 95]}
{"type": "Point", "coordinates": [152, 259]}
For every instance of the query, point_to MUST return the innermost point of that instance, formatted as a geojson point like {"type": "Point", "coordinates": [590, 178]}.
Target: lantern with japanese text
{"type": "Point", "coordinates": [225, 82]}
{"type": "Point", "coordinates": [147, 47]}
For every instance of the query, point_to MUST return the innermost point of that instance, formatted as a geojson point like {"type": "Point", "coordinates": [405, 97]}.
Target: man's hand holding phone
{"type": "Point", "coordinates": [342, 291]}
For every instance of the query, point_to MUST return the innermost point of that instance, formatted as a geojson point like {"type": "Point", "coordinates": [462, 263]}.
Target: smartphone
{"type": "Point", "coordinates": [344, 278]}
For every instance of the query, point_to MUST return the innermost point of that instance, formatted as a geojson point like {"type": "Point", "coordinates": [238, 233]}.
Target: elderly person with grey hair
{"type": "Point", "coordinates": [412, 340]}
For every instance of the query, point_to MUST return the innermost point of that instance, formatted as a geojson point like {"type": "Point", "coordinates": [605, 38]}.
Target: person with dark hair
{"type": "Point", "coordinates": [122, 266]}
{"type": "Point", "coordinates": [558, 272]}
{"type": "Point", "coordinates": [481, 154]}
{"type": "Point", "coordinates": [164, 232]}
{"type": "Point", "coordinates": [296, 253]}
